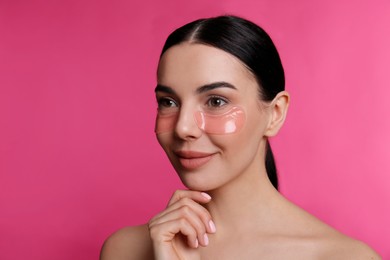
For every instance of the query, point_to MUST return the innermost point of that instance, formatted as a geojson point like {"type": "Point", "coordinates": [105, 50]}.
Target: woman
{"type": "Point", "coordinates": [220, 96]}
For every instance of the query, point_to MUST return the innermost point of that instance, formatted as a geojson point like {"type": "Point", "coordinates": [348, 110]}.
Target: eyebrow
{"type": "Point", "coordinates": [214, 85]}
{"type": "Point", "coordinates": [200, 90]}
{"type": "Point", "coordinates": [165, 89]}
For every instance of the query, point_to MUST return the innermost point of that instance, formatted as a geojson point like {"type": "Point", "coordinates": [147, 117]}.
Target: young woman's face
{"type": "Point", "coordinates": [210, 121]}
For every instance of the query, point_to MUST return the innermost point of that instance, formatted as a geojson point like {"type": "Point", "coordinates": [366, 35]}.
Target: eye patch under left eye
{"type": "Point", "coordinates": [226, 123]}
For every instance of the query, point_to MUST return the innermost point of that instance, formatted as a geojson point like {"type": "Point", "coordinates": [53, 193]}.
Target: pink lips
{"type": "Point", "coordinates": [192, 160]}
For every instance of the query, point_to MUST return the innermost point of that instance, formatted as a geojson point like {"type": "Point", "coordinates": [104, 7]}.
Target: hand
{"type": "Point", "coordinates": [182, 227]}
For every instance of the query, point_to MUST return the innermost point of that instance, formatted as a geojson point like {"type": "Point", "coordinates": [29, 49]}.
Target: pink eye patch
{"type": "Point", "coordinates": [225, 123]}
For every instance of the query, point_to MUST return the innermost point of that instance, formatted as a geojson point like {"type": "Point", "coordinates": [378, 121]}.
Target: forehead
{"type": "Point", "coordinates": [193, 64]}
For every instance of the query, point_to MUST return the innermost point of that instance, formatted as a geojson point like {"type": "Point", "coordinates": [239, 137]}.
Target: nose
{"type": "Point", "coordinates": [186, 127]}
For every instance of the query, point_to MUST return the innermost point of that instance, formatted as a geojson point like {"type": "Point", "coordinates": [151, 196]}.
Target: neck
{"type": "Point", "coordinates": [243, 202]}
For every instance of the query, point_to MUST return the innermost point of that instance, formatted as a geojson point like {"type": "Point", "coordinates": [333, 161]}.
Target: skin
{"type": "Point", "coordinates": [231, 191]}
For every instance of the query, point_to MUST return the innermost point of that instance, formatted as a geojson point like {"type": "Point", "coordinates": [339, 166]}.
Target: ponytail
{"type": "Point", "coordinates": [270, 166]}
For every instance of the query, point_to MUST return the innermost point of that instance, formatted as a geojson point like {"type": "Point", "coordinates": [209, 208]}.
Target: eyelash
{"type": "Point", "coordinates": [161, 100]}
{"type": "Point", "coordinates": [166, 102]}
{"type": "Point", "coordinates": [214, 98]}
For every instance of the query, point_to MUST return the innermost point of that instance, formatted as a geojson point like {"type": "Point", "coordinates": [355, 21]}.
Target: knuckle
{"type": "Point", "coordinates": [176, 194]}
{"type": "Point", "coordinates": [186, 210]}
{"type": "Point", "coordinates": [152, 221]}
{"type": "Point", "coordinates": [200, 229]}
{"type": "Point", "coordinates": [205, 214]}
{"type": "Point", "coordinates": [186, 200]}
{"type": "Point", "coordinates": [157, 233]}
{"type": "Point", "coordinates": [200, 226]}
{"type": "Point", "coordinates": [153, 232]}
{"type": "Point", "coordinates": [182, 222]}
{"type": "Point", "coordinates": [150, 225]}
{"type": "Point", "coordinates": [205, 217]}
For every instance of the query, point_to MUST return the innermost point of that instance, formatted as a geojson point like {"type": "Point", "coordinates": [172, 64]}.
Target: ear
{"type": "Point", "coordinates": [278, 112]}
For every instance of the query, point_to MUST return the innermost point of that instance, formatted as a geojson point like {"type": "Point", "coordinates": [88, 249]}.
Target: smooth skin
{"type": "Point", "coordinates": [231, 210]}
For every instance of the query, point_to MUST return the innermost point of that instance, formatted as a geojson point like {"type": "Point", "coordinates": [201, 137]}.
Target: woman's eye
{"type": "Point", "coordinates": [166, 103]}
{"type": "Point", "coordinates": [216, 102]}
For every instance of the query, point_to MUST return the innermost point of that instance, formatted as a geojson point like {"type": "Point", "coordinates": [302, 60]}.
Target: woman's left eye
{"type": "Point", "coordinates": [216, 102]}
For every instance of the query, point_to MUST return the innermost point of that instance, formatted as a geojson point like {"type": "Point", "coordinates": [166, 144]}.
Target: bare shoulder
{"type": "Point", "coordinates": [128, 243]}
{"type": "Point", "coordinates": [321, 241]}
{"type": "Point", "coordinates": [343, 247]}
{"type": "Point", "coordinates": [333, 244]}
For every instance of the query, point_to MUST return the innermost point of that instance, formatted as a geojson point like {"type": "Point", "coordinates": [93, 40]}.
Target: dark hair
{"type": "Point", "coordinates": [251, 45]}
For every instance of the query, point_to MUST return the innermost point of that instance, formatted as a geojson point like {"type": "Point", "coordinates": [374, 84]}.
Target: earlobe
{"type": "Point", "coordinates": [278, 107]}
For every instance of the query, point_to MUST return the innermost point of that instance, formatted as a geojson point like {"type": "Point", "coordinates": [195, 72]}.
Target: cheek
{"type": "Point", "coordinates": [242, 144]}
{"type": "Point", "coordinates": [165, 141]}
{"type": "Point", "coordinates": [165, 123]}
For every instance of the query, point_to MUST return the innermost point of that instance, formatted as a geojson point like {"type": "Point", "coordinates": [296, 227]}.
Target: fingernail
{"type": "Point", "coordinates": [196, 243]}
{"type": "Point", "coordinates": [207, 196]}
{"type": "Point", "coordinates": [212, 226]}
{"type": "Point", "coordinates": [206, 239]}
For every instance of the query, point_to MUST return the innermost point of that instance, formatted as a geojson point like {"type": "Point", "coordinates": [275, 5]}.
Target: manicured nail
{"type": "Point", "coordinates": [212, 226]}
{"type": "Point", "coordinates": [196, 243]}
{"type": "Point", "coordinates": [207, 196]}
{"type": "Point", "coordinates": [206, 239]}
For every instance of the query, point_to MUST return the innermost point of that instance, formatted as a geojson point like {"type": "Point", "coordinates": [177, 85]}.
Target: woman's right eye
{"type": "Point", "coordinates": [166, 103]}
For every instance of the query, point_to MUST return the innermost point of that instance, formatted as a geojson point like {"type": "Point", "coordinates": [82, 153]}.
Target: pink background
{"type": "Point", "coordinates": [78, 156]}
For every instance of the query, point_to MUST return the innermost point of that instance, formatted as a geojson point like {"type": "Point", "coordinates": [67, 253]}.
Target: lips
{"type": "Point", "coordinates": [192, 160]}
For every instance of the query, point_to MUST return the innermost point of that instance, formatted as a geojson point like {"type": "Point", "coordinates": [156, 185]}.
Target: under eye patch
{"type": "Point", "coordinates": [228, 122]}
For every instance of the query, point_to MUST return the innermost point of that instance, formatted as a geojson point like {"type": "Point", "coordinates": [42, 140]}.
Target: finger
{"type": "Point", "coordinates": [185, 212]}
{"type": "Point", "coordinates": [165, 232]}
{"type": "Point", "coordinates": [201, 211]}
{"type": "Point", "coordinates": [197, 196]}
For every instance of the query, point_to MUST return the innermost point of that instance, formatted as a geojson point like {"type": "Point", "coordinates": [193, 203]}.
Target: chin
{"type": "Point", "coordinates": [202, 188]}
{"type": "Point", "coordinates": [197, 183]}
